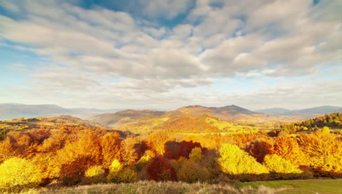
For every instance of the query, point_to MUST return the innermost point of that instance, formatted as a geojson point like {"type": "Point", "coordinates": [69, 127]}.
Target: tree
{"type": "Point", "coordinates": [235, 161]}
{"type": "Point", "coordinates": [278, 164]}
{"type": "Point", "coordinates": [259, 149]}
{"type": "Point", "coordinates": [111, 147]}
{"type": "Point", "coordinates": [160, 169]}
{"type": "Point", "coordinates": [19, 172]}
{"type": "Point", "coordinates": [288, 148]}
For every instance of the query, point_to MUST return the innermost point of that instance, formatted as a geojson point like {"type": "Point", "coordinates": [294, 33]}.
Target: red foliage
{"type": "Point", "coordinates": [140, 148]}
{"type": "Point", "coordinates": [174, 150]}
{"type": "Point", "coordinates": [259, 149]}
{"type": "Point", "coordinates": [160, 169]}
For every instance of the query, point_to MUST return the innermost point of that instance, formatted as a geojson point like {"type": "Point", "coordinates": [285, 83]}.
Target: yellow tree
{"type": "Point", "coordinates": [235, 161]}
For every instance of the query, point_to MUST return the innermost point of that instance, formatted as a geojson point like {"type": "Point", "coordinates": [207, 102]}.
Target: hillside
{"type": "Point", "coordinates": [308, 112]}
{"type": "Point", "coordinates": [227, 113]}
{"type": "Point", "coordinates": [113, 119]}
{"type": "Point", "coordinates": [187, 119]}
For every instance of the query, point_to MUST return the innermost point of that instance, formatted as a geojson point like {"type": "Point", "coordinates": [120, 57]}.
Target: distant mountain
{"type": "Point", "coordinates": [275, 111]}
{"type": "Point", "coordinates": [231, 112]}
{"type": "Point", "coordinates": [9, 111]}
{"type": "Point", "coordinates": [318, 110]}
{"type": "Point", "coordinates": [112, 119]}
{"type": "Point", "coordinates": [308, 112]}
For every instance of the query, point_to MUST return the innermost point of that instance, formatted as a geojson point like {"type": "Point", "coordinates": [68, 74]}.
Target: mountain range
{"type": "Point", "coordinates": [309, 112]}
{"type": "Point", "coordinates": [112, 117]}
{"type": "Point", "coordinates": [10, 111]}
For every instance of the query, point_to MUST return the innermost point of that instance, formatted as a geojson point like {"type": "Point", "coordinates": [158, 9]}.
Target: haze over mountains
{"type": "Point", "coordinates": [111, 116]}
{"type": "Point", "coordinates": [9, 111]}
{"type": "Point", "coordinates": [306, 112]}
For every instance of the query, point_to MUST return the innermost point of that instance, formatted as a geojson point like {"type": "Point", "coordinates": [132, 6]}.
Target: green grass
{"type": "Point", "coordinates": [315, 186]}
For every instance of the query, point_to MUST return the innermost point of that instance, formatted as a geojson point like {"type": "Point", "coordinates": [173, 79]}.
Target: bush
{"type": "Point", "coordinates": [160, 169]}
{"type": "Point", "coordinates": [235, 161]}
{"type": "Point", "coordinates": [125, 175]}
{"type": "Point", "coordinates": [95, 174]}
{"type": "Point", "coordinates": [116, 166]}
{"type": "Point", "coordinates": [196, 154]}
{"type": "Point", "coordinates": [278, 164]}
{"type": "Point", "coordinates": [191, 171]}
{"type": "Point", "coordinates": [19, 172]}
{"type": "Point", "coordinates": [175, 150]}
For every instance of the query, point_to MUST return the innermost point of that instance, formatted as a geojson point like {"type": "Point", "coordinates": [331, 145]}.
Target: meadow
{"type": "Point", "coordinates": [310, 186]}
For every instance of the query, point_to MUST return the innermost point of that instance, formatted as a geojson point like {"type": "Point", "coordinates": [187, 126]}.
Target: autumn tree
{"type": "Point", "coordinates": [19, 172]}
{"type": "Point", "coordinates": [259, 149]}
{"type": "Point", "coordinates": [160, 169]}
{"type": "Point", "coordinates": [111, 147]}
{"type": "Point", "coordinates": [278, 164]}
{"type": "Point", "coordinates": [235, 161]}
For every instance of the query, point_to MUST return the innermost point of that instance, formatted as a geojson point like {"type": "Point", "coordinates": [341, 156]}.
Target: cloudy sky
{"type": "Point", "coordinates": [162, 54]}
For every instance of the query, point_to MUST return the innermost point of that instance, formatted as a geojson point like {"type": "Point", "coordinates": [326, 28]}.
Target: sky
{"type": "Point", "coordinates": [164, 54]}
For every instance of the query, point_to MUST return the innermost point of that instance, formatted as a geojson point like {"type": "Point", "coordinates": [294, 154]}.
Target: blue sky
{"type": "Point", "coordinates": [162, 54]}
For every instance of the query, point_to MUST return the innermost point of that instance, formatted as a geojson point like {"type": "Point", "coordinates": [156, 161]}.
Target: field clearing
{"type": "Point", "coordinates": [314, 186]}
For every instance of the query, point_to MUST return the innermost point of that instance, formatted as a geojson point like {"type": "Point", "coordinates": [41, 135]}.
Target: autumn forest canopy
{"type": "Point", "coordinates": [182, 146]}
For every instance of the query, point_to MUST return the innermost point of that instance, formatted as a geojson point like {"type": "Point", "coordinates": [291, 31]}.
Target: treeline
{"type": "Point", "coordinates": [68, 155]}
{"type": "Point", "coordinates": [333, 121]}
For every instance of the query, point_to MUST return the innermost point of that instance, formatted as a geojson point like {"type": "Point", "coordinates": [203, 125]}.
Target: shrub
{"type": "Point", "coordinates": [19, 172]}
{"type": "Point", "coordinates": [278, 164]}
{"type": "Point", "coordinates": [196, 154]}
{"type": "Point", "coordinates": [116, 166]}
{"type": "Point", "coordinates": [125, 175]}
{"type": "Point", "coordinates": [175, 150]}
{"type": "Point", "coordinates": [160, 169]}
{"type": "Point", "coordinates": [95, 174]}
{"type": "Point", "coordinates": [235, 161]}
{"type": "Point", "coordinates": [191, 171]}
{"type": "Point", "coordinates": [326, 130]}
{"type": "Point", "coordinates": [143, 161]}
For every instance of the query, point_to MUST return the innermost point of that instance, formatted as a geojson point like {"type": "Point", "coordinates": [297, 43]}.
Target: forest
{"type": "Point", "coordinates": [65, 151]}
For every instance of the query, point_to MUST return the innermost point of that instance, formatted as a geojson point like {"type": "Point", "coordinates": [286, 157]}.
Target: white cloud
{"type": "Point", "coordinates": [117, 55]}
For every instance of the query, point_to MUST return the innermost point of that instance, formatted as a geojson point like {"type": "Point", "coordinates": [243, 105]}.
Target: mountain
{"type": "Point", "coordinates": [318, 110]}
{"type": "Point", "coordinates": [308, 112]}
{"type": "Point", "coordinates": [113, 119]}
{"type": "Point", "coordinates": [230, 113]}
{"type": "Point", "coordinates": [231, 110]}
{"type": "Point", "coordinates": [9, 111]}
{"type": "Point", "coordinates": [275, 111]}
{"type": "Point", "coordinates": [156, 118]}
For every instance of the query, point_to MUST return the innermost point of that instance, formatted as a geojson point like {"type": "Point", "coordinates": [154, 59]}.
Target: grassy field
{"type": "Point", "coordinates": [314, 186]}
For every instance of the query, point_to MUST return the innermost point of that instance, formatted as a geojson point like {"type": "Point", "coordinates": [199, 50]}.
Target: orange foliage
{"type": "Point", "coordinates": [288, 148]}
{"type": "Point", "coordinates": [325, 152]}
{"type": "Point", "coordinates": [110, 144]}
